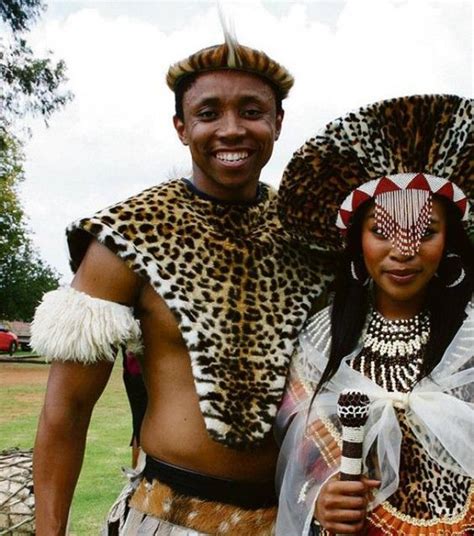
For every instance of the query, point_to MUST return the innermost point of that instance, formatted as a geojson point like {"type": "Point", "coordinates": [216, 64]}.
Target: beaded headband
{"type": "Point", "coordinates": [403, 206]}
{"type": "Point", "coordinates": [399, 152]}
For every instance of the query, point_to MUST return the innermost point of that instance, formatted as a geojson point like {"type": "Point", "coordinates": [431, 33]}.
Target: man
{"type": "Point", "coordinates": [220, 294]}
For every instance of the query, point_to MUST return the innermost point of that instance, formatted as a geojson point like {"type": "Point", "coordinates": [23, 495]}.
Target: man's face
{"type": "Point", "coordinates": [230, 124]}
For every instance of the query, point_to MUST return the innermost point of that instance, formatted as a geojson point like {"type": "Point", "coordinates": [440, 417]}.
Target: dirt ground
{"type": "Point", "coordinates": [17, 374]}
{"type": "Point", "coordinates": [22, 387]}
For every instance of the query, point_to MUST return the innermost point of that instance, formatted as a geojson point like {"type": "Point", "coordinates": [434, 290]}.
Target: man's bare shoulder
{"type": "Point", "coordinates": [102, 274]}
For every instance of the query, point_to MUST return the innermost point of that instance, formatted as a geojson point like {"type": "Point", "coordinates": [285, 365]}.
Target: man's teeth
{"type": "Point", "coordinates": [231, 157]}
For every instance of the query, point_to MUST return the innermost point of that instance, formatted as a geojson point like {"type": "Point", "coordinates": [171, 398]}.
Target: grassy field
{"type": "Point", "coordinates": [107, 446]}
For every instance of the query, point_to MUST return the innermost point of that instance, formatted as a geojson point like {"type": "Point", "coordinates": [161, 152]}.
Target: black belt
{"type": "Point", "coordinates": [249, 495]}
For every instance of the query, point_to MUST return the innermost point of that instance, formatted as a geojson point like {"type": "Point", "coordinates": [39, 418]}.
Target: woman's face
{"type": "Point", "coordinates": [401, 280]}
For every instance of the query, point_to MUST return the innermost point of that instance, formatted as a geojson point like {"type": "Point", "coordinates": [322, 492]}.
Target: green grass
{"type": "Point", "coordinates": [107, 445]}
{"type": "Point", "coordinates": [19, 353]}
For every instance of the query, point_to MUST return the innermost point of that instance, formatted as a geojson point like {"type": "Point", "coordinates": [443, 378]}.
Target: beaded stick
{"type": "Point", "coordinates": [353, 411]}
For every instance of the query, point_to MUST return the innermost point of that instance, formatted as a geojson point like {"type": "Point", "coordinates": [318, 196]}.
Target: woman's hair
{"type": "Point", "coordinates": [351, 299]}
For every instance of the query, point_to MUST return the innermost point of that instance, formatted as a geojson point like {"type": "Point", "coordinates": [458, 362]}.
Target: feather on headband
{"type": "Point", "coordinates": [234, 56]}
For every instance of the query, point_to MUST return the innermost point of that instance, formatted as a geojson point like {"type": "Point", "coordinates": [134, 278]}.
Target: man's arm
{"type": "Point", "coordinates": [72, 391]}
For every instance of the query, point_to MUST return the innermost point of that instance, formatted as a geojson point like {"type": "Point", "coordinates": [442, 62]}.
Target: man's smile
{"type": "Point", "coordinates": [231, 156]}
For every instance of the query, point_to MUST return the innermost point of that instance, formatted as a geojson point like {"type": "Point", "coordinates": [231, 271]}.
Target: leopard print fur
{"type": "Point", "coordinates": [238, 287]}
{"type": "Point", "coordinates": [424, 133]}
{"type": "Point", "coordinates": [427, 490]}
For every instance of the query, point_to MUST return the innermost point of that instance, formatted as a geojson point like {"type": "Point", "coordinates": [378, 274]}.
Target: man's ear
{"type": "Point", "coordinates": [180, 129]}
{"type": "Point", "coordinates": [278, 122]}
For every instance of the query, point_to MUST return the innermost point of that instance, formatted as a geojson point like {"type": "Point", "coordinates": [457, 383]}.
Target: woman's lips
{"type": "Point", "coordinates": [402, 277]}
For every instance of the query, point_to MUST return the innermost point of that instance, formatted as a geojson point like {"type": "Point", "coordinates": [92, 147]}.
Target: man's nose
{"type": "Point", "coordinates": [231, 125]}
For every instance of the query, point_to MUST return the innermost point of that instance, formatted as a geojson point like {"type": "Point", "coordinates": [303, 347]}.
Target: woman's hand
{"type": "Point", "coordinates": [342, 505]}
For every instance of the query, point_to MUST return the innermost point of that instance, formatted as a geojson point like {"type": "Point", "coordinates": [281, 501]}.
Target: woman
{"type": "Point", "coordinates": [396, 176]}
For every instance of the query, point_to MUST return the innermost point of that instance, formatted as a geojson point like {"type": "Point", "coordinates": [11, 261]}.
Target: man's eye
{"type": "Point", "coordinates": [252, 113]}
{"type": "Point", "coordinates": [207, 114]}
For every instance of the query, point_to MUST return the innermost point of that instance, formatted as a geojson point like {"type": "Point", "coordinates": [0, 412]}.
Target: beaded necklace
{"type": "Point", "coordinates": [393, 350]}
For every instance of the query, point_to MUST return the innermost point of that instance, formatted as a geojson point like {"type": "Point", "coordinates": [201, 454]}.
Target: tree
{"type": "Point", "coordinates": [29, 86]}
{"type": "Point", "coordinates": [24, 276]}
{"type": "Point", "coordinates": [18, 14]}
{"type": "Point", "coordinates": [12, 231]}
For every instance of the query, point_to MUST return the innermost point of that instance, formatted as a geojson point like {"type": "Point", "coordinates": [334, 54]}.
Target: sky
{"type": "Point", "coordinates": [116, 137]}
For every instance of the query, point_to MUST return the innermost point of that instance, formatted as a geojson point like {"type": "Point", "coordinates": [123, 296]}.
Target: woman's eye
{"type": "Point", "coordinates": [429, 232]}
{"type": "Point", "coordinates": [376, 231]}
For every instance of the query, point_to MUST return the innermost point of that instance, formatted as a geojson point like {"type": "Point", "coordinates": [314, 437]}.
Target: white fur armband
{"type": "Point", "coordinates": [72, 326]}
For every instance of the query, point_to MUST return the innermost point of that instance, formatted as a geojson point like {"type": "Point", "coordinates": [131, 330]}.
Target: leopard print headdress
{"type": "Point", "coordinates": [234, 56]}
{"type": "Point", "coordinates": [399, 152]}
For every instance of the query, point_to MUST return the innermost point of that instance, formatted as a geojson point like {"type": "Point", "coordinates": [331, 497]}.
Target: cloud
{"type": "Point", "coordinates": [117, 138]}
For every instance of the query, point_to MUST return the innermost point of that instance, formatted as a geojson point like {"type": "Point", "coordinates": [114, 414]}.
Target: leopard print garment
{"type": "Point", "coordinates": [239, 289]}
{"type": "Point", "coordinates": [427, 492]}
{"type": "Point", "coordinates": [430, 499]}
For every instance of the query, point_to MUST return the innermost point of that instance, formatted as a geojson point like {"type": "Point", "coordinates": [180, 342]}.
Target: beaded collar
{"type": "Point", "coordinates": [393, 350]}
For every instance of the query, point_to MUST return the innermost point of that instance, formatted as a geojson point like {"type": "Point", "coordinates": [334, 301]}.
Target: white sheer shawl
{"type": "Point", "coordinates": [439, 410]}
